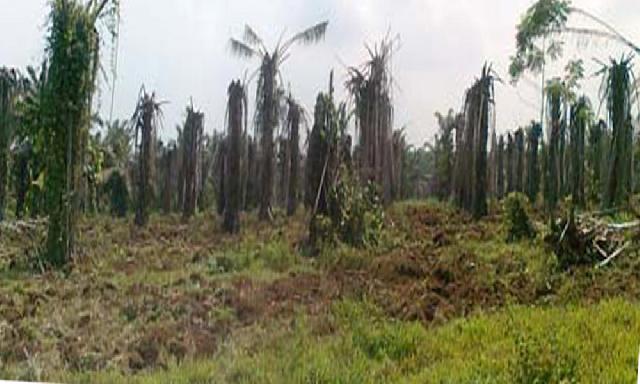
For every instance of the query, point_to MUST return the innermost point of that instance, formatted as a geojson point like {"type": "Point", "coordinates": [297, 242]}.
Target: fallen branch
{"type": "Point", "coordinates": [615, 254]}
{"type": "Point", "coordinates": [22, 225]}
{"type": "Point", "coordinates": [624, 226]}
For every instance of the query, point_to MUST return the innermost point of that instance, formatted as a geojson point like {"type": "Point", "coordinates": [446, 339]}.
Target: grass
{"type": "Point", "coordinates": [573, 344]}
{"type": "Point", "coordinates": [442, 299]}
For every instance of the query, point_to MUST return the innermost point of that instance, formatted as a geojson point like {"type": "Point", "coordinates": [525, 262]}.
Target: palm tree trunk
{"type": "Point", "coordinates": [234, 154]}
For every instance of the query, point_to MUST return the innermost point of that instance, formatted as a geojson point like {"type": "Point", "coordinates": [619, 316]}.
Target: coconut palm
{"type": "Point", "coordinates": [269, 94]}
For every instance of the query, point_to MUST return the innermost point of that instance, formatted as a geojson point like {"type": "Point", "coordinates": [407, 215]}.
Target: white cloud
{"type": "Point", "coordinates": [179, 49]}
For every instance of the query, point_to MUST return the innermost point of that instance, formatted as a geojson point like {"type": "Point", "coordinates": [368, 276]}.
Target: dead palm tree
{"type": "Point", "coordinates": [268, 96]}
{"type": "Point", "coordinates": [191, 141]}
{"type": "Point", "coordinates": [145, 121]}
{"type": "Point", "coordinates": [294, 116]}
{"type": "Point", "coordinates": [580, 118]}
{"type": "Point", "coordinates": [236, 112]}
{"type": "Point", "coordinates": [478, 112]}
{"type": "Point", "coordinates": [371, 88]}
{"type": "Point", "coordinates": [534, 134]}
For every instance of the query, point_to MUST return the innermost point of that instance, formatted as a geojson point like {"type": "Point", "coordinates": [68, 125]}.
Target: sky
{"type": "Point", "coordinates": [180, 50]}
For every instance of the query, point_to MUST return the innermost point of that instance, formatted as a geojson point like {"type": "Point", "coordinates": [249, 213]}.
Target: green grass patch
{"type": "Point", "coordinates": [575, 344]}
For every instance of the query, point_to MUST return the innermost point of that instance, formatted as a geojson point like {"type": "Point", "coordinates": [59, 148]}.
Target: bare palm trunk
{"type": "Point", "coordinates": [294, 151]}
{"type": "Point", "coordinates": [192, 139]}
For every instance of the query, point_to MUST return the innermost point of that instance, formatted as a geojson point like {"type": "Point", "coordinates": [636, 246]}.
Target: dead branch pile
{"type": "Point", "coordinates": [587, 239]}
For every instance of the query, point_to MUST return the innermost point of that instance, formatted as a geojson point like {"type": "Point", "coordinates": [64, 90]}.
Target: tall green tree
{"type": "Point", "coordinates": [73, 52]}
{"type": "Point", "coordinates": [540, 31]}
{"type": "Point", "coordinates": [269, 95]}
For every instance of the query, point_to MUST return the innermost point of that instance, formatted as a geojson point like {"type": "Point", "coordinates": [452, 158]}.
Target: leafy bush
{"type": "Point", "coordinates": [277, 256]}
{"type": "Point", "coordinates": [116, 188]}
{"type": "Point", "coordinates": [355, 215]}
{"type": "Point", "coordinates": [518, 224]}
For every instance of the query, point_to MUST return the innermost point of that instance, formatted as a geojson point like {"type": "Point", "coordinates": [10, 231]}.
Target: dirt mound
{"type": "Point", "coordinates": [255, 301]}
{"type": "Point", "coordinates": [417, 284]}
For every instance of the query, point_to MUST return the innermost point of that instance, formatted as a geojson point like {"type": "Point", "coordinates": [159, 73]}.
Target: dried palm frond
{"type": "Point", "coordinates": [251, 37]}
{"type": "Point", "coordinates": [241, 49]}
{"type": "Point", "coordinates": [310, 35]}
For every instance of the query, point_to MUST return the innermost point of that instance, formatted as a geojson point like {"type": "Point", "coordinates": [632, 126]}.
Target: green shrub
{"type": "Point", "coordinates": [277, 256]}
{"type": "Point", "coordinates": [518, 224]}
{"type": "Point", "coordinates": [118, 192]}
{"type": "Point", "coordinates": [355, 215]}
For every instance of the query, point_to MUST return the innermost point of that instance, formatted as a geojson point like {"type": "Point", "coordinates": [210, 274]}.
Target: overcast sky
{"type": "Point", "coordinates": [179, 48]}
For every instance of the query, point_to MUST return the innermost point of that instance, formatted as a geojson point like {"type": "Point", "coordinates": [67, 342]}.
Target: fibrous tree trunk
{"type": "Point", "coordinates": [145, 127]}
{"type": "Point", "coordinates": [23, 177]}
{"type": "Point", "coordinates": [233, 181]}
{"type": "Point", "coordinates": [294, 157]}
{"type": "Point", "coordinates": [580, 116]}
{"type": "Point", "coordinates": [597, 150]}
{"type": "Point", "coordinates": [374, 117]}
{"type": "Point", "coordinates": [167, 188]}
{"type": "Point", "coordinates": [552, 160]}
{"type": "Point", "coordinates": [8, 84]}
{"type": "Point", "coordinates": [534, 134]}
{"type": "Point", "coordinates": [192, 140]}
{"type": "Point", "coordinates": [619, 184]}
{"type": "Point", "coordinates": [220, 168]}
{"type": "Point", "coordinates": [519, 160]}
{"type": "Point", "coordinates": [268, 123]}
{"type": "Point", "coordinates": [478, 102]}
{"type": "Point", "coordinates": [500, 168]}
{"type": "Point", "coordinates": [510, 164]}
